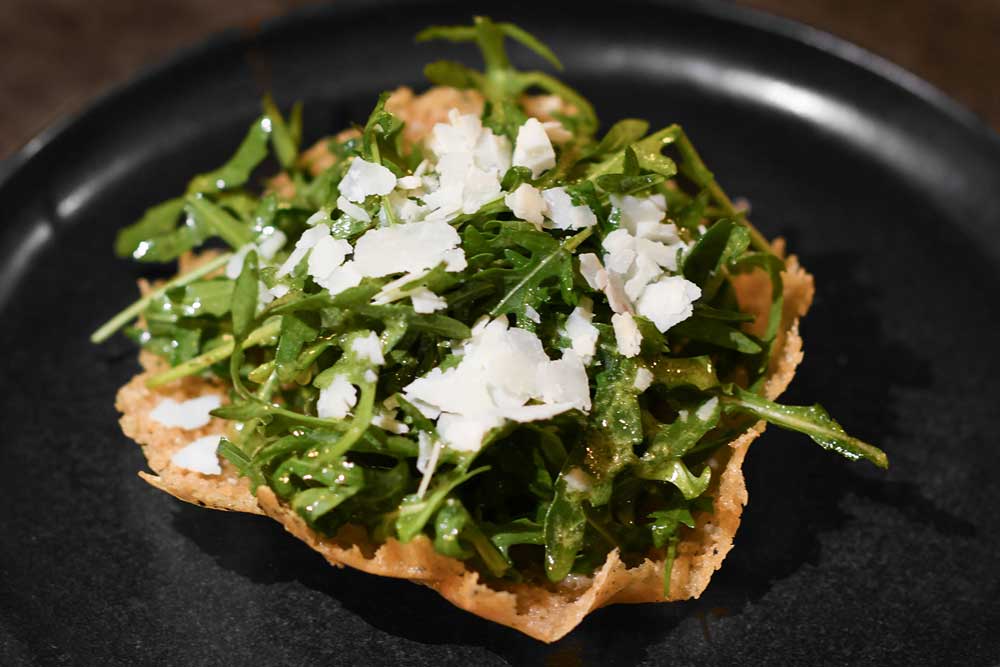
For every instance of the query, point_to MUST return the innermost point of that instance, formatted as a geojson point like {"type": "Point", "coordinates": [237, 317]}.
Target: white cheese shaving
{"type": "Point", "coordinates": [326, 256]}
{"type": "Point", "coordinates": [591, 270]}
{"type": "Point", "coordinates": [532, 314]}
{"type": "Point", "coordinates": [465, 434]}
{"type": "Point", "coordinates": [199, 456]}
{"type": "Point", "coordinates": [410, 183]}
{"type": "Point", "coordinates": [368, 348]}
{"type": "Point", "coordinates": [581, 332]}
{"type": "Point", "coordinates": [309, 238]}
{"type": "Point", "coordinates": [706, 409]}
{"type": "Point", "coordinates": [337, 399]}
{"type": "Point", "coordinates": [502, 372]}
{"type": "Point", "coordinates": [643, 379]}
{"type": "Point", "coordinates": [621, 251]}
{"type": "Point", "coordinates": [533, 149]}
{"type": "Point", "coordinates": [627, 334]}
{"type": "Point", "coordinates": [341, 278]}
{"type": "Point", "coordinates": [471, 160]}
{"type": "Point", "coordinates": [430, 462]}
{"type": "Point", "coordinates": [189, 414]}
{"type": "Point", "coordinates": [527, 203]}
{"type": "Point", "coordinates": [267, 246]}
{"type": "Point", "coordinates": [565, 382]}
{"type": "Point", "coordinates": [615, 291]}
{"type": "Point", "coordinates": [562, 213]}
{"type": "Point", "coordinates": [408, 248]}
{"type": "Point", "coordinates": [668, 301]}
{"type": "Point", "coordinates": [353, 210]}
{"type": "Point", "coordinates": [270, 243]}
{"type": "Point", "coordinates": [425, 301]}
{"type": "Point", "coordinates": [365, 178]}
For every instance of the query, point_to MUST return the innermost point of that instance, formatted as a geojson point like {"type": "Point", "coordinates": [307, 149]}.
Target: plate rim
{"type": "Point", "coordinates": [933, 97]}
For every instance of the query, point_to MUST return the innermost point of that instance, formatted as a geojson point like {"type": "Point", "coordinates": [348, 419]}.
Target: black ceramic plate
{"type": "Point", "coordinates": [888, 192]}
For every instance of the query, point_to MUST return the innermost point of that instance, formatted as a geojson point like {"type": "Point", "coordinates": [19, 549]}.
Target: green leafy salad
{"type": "Point", "coordinates": [517, 337]}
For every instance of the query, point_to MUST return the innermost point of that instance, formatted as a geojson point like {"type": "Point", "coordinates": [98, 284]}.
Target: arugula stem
{"type": "Point", "coordinates": [699, 173]}
{"type": "Point", "coordinates": [124, 317]}
{"type": "Point", "coordinates": [267, 331]}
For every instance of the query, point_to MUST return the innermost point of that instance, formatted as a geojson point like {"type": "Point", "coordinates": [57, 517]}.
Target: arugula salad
{"type": "Point", "coordinates": [518, 337]}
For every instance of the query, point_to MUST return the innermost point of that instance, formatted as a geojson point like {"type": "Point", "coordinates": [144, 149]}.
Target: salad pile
{"type": "Point", "coordinates": [517, 337]}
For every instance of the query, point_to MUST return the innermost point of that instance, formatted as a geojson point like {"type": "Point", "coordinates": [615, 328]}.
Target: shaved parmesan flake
{"type": "Point", "coordinates": [590, 268]}
{"type": "Point", "coordinates": [189, 414]}
{"type": "Point", "coordinates": [565, 382]}
{"type": "Point", "coordinates": [627, 334]}
{"type": "Point", "coordinates": [309, 238]}
{"type": "Point", "coordinates": [431, 454]}
{"type": "Point", "coordinates": [336, 400]}
{"type": "Point", "coordinates": [526, 203]}
{"type": "Point", "coordinates": [327, 255]}
{"type": "Point", "coordinates": [471, 160]}
{"type": "Point", "coordinates": [532, 314]}
{"type": "Point", "coordinates": [621, 251]}
{"type": "Point", "coordinates": [643, 379]}
{"type": "Point", "coordinates": [409, 183]}
{"type": "Point", "coordinates": [353, 210]}
{"type": "Point", "coordinates": [533, 149]}
{"type": "Point", "coordinates": [503, 374]}
{"type": "Point", "coordinates": [563, 213]}
{"type": "Point", "coordinates": [615, 291]}
{"type": "Point", "coordinates": [706, 409]}
{"type": "Point", "coordinates": [365, 178]}
{"type": "Point", "coordinates": [266, 247]}
{"type": "Point", "coordinates": [581, 332]}
{"type": "Point", "coordinates": [668, 301]}
{"type": "Point", "coordinates": [466, 434]}
{"type": "Point", "coordinates": [407, 248]}
{"type": "Point", "coordinates": [425, 301]}
{"type": "Point", "coordinates": [270, 243]}
{"type": "Point", "coordinates": [199, 456]}
{"type": "Point", "coordinates": [341, 278]}
{"type": "Point", "coordinates": [368, 348]}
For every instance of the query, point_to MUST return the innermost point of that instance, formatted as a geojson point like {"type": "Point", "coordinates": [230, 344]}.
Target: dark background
{"type": "Point", "coordinates": [58, 54]}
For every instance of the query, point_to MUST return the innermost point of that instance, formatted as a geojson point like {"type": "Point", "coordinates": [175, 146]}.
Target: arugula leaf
{"type": "Point", "coordinates": [664, 529]}
{"type": "Point", "coordinates": [529, 280]}
{"type": "Point", "coordinates": [811, 420]}
{"type": "Point", "coordinates": [621, 135]}
{"type": "Point", "coordinates": [236, 172]}
{"type": "Point", "coordinates": [454, 74]}
{"type": "Point", "coordinates": [453, 525]}
{"type": "Point", "coordinates": [715, 332]}
{"type": "Point", "coordinates": [415, 511]}
{"type": "Point", "coordinates": [215, 219]}
{"type": "Point", "coordinates": [158, 222]}
{"type": "Point", "coordinates": [285, 137]}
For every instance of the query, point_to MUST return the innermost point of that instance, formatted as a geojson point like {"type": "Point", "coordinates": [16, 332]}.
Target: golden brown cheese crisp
{"type": "Point", "coordinates": [544, 611]}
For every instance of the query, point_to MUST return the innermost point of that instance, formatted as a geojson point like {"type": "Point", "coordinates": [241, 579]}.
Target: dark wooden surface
{"type": "Point", "coordinates": [60, 53]}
